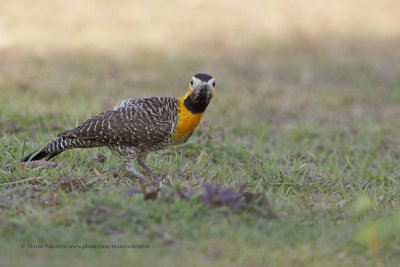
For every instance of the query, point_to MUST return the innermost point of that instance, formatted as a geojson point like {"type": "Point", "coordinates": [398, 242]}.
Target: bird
{"type": "Point", "coordinates": [138, 126]}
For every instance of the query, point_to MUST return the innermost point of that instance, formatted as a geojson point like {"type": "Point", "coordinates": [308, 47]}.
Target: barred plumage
{"type": "Point", "coordinates": [136, 127]}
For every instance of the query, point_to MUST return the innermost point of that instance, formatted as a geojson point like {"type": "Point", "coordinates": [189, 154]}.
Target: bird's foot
{"type": "Point", "coordinates": [149, 172]}
{"type": "Point", "coordinates": [133, 173]}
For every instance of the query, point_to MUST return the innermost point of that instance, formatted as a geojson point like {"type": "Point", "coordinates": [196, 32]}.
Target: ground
{"type": "Point", "coordinates": [311, 122]}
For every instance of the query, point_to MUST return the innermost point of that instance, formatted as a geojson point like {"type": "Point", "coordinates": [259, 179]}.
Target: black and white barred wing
{"type": "Point", "coordinates": [143, 122]}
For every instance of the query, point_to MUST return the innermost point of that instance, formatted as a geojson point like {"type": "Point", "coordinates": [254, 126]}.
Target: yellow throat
{"type": "Point", "coordinates": [187, 121]}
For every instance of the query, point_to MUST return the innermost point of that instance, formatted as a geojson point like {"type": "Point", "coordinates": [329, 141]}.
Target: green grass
{"type": "Point", "coordinates": [317, 133]}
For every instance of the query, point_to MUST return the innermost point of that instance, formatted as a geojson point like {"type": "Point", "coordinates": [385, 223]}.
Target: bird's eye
{"type": "Point", "coordinates": [214, 84]}
{"type": "Point", "coordinates": [191, 83]}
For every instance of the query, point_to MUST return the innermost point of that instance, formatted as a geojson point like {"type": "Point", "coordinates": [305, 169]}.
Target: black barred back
{"type": "Point", "coordinates": [143, 123]}
{"type": "Point", "coordinates": [135, 126]}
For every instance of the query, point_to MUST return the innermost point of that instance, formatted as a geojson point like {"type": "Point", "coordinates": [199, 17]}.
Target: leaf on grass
{"type": "Point", "coordinates": [151, 195]}
{"type": "Point", "coordinates": [146, 195]}
{"type": "Point", "coordinates": [226, 195]}
{"type": "Point", "coordinates": [216, 195]}
{"type": "Point", "coordinates": [185, 193]}
{"type": "Point", "coordinates": [254, 202]}
{"type": "Point", "coordinates": [210, 192]}
{"type": "Point", "coordinates": [132, 191]}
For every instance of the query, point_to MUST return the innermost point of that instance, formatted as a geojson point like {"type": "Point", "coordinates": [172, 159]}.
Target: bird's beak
{"type": "Point", "coordinates": [205, 88]}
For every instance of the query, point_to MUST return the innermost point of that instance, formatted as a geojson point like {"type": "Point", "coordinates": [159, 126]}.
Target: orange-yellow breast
{"type": "Point", "coordinates": [187, 121]}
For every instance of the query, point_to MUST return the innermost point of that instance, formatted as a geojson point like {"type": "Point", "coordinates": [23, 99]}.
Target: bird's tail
{"type": "Point", "coordinates": [39, 155]}
{"type": "Point", "coordinates": [55, 147]}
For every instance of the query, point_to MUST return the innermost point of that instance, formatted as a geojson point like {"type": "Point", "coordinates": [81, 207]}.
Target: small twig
{"type": "Point", "coordinates": [22, 181]}
{"type": "Point", "coordinates": [40, 163]}
{"type": "Point", "coordinates": [34, 164]}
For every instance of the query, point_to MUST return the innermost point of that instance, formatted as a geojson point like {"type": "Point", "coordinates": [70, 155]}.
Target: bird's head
{"type": "Point", "coordinates": [201, 88]}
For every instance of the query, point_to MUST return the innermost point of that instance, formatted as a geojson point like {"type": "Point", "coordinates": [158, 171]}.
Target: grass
{"type": "Point", "coordinates": [310, 121]}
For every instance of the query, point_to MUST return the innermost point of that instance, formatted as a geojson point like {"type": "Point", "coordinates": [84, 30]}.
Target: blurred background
{"type": "Point", "coordinates": [274, 61]}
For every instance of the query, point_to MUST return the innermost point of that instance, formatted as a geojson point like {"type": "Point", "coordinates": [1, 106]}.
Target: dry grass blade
{"type": "Point", "coordinates": [34, 164]}
{"type": "Point", "coordinates": [22, 181]}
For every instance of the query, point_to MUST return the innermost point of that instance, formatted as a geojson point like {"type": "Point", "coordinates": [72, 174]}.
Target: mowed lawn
{"type": "Point", "coordinates": [310, 127]}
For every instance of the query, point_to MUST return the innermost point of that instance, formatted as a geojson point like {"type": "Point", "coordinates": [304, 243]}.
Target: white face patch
{"type": "Point", "coordinates": [211, 82]}
{"type": "Point", "coordinates": [195, 82]}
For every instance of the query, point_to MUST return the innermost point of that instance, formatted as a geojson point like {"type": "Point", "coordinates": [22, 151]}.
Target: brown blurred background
{"type": "Point", "coordinates": [273, 60]}
{"type": "Point", "coordinates": [176, 25]}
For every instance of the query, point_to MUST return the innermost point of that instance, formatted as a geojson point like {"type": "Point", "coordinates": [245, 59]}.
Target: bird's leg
{"type": "Point", "coordinates": [141, 160]}
{"type": "Point", "coordinates": [130, 168]}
